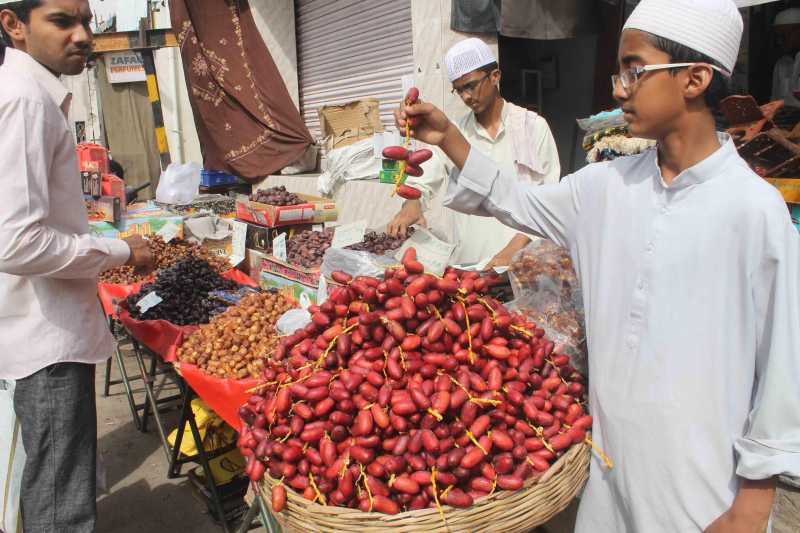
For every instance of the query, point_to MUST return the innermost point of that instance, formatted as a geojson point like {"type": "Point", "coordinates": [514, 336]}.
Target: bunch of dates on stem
{"type": "Point", "coordinates": [410, 392]}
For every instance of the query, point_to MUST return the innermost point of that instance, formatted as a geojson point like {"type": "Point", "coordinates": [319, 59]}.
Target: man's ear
{"type": "Point", "coordinates": [12, 25]}
{"type": "Point", "coordinates": [495, 77]}
{"type": "Point", "coordinates": [698, 79]}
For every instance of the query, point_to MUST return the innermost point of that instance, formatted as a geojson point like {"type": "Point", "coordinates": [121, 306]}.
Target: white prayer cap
{"type": "Point", "coordinates": [711, 27]}
{"type": "Point", "coordinates": [788, 16]}
{"type": "Point", "coordinates": [466, 56]}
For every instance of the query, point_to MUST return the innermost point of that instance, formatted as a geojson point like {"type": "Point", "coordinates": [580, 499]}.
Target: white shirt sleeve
{"type": "Point", "coordinates": [28, 246]}
{"type": "Point", "coordinates": [482, 189]}
{"type": "Point", "coordinates": [771, 444]}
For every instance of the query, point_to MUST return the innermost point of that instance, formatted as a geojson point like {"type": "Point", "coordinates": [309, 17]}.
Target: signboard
{"type": "Point", "coordinates": [125, 67]}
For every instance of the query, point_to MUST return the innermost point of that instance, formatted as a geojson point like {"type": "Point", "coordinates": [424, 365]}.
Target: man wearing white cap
{"type": "Point", "coordinates": [690, 271]}
{"type": "Point", "coordinates": [53, 330]}
{"type": "Point", "coordinates": [786, 74]}
{"type": "Point", "coordinates": [517, 139]}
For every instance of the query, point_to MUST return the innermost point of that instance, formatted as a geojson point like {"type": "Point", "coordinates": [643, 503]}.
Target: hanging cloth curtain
{"type": "Point", "coordinates": [246, 121]}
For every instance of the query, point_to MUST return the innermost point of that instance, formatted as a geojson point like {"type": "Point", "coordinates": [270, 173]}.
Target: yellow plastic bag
{"type": "Point", "coordinates": [215, 434]}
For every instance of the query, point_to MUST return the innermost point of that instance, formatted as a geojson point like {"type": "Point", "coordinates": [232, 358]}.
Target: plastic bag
{"type": "Point", "coordinates": [547, 290]}
{"type": "Point", "coordinates": [355, 263]}
{"type": "Point", "coordinates": [602, 120]}
{"type": "Point", "coordinates": [292, 320]}
{"type": "Point", "coordinates": [179, 184]}
{"type": "Point", "coordinates": [12, 460]}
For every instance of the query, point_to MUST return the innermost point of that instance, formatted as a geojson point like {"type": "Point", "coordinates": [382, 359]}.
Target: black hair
{"type": "Point", "coordinates": [116, 169]}
{"type": "Point", "coordinates": [488, 69]}
{"type": "Point", "coordinates": [720, 86]}
{"type": "Point", "coordinates": [22, 10]}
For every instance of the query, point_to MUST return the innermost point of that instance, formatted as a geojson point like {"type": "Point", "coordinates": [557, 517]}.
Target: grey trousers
{"type": "Point", "coordinates": [58, 418]}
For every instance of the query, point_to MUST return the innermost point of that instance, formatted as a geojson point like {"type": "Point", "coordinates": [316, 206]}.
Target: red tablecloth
{"type": "Point", "coordinates": [158, 335]}
{"type": "Point", "coordinates": [224, 396]}
{"type": "Point", "coordinates": [111, 293]}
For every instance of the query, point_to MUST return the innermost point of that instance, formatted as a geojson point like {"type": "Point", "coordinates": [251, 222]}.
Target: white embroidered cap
{"type": "Point", "coordinates": [711, 27]}
{"type": "Point", "coordinates": [466, 56]}
{"type": "Point", "coordinates": [788, 16]}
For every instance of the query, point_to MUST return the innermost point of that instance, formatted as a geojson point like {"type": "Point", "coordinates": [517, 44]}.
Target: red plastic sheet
{"type": "Point", "coordinates": [160, 336]}
{"type": "Point", "coordinates": [224, 396]}
{"type": "Point", "coordinates": [110, 294]}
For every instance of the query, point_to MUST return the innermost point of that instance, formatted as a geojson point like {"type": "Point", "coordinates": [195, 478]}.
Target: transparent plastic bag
{"type": "Point", "coordinates": [292, 320]}
{"type": "Point", "coordinates": [547, 290]}
{"type": "Point", "coordinates": [179, 184]}
{"type": "Point", "coordinates": [355, 263]}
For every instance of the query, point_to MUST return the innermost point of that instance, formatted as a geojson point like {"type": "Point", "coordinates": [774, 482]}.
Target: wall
{"type": "Point", "coordinates": [432, 38]}
{"type": "Point", "coordinates": [573, 95]}
{"type": "Point", "coordinates": [84, 107]}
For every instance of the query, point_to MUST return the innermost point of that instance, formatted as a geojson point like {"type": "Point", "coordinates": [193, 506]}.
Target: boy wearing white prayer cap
{"type": "Point", "coordinates": [786, 73]}
{"type": "Point", "coordinates": [518, 139]}
{"type": "Point", "coordinates": [690, 271]}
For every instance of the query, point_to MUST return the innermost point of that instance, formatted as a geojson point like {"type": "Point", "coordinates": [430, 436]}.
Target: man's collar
{"type": "Point", "coordinates": [704, 170]}
{"type": "Point", "coordinates": [23, 62]}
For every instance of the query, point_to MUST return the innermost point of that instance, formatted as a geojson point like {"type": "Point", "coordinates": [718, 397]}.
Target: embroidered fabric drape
{"type": "Point", "coordinates": [246, 121]}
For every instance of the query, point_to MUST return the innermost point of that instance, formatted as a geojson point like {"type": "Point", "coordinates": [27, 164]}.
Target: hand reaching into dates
{"type": "Point", "coordinates": [141, 258]}
{"type": "Point", "coordinates": [410, 214]}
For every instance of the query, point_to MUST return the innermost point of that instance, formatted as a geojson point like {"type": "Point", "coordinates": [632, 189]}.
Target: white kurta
{"type": "Point", "coordinates": [692, 295]}
{"type": "Point", "coordinates": [786, 79]}
{"type": "Point", "coordinates": [523, 146]}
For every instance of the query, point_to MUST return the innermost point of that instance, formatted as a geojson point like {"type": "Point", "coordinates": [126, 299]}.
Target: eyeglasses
{"type": "Point", "coordinates": [468, 87]}
{"type": "Point", "coordinates": [630, 77]}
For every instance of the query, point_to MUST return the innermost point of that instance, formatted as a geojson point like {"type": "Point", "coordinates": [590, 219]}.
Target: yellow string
{"type": "Point", "coordinates": [363, 478]}
{"type": "Point", "coordinates": [435, 414]}
{"type": "Point", "coordinates": [319, 497]}
{"type": "Point", "coordinates": [606, 459]}
{"type": "Point", "coordinates": [469, 333]}
{"type": "Point", "coordinates": [476, 443]}
{"type": "Point", "coordinates": [436, 496]}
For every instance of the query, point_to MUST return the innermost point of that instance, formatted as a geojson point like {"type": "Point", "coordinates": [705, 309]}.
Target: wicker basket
{"type": "Point", "coordinates": [502, 512]}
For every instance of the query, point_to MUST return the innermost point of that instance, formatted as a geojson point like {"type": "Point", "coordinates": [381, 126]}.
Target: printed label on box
{"type": "Point", "coordinates": [239, 242]}
{"type": "Point", "coordinates": [348, 234]}
{"type": "Point", "coordinates": [168, 232]}
{"type": "Point", "coordinates": [148, 302]}
{"type": "Point", "coordinates": [279, 247]}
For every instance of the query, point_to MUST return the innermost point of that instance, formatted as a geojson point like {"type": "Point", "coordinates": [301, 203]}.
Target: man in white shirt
{"type": "Point", "coordinates": [53, 331]}
{"type": "Point", "coordinates": [518, 139]}
{"type": "Point", "coordinates": [786, 73]}
{"type": "Point", "coordinates": [690, 272]}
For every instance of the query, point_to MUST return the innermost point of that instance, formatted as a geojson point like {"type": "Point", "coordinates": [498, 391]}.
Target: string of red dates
{"type": "Point", "coordinates": [409, 160]}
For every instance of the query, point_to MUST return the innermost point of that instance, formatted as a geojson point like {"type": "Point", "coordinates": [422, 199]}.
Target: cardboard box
{"type": "Point", "coordinates": [103, 209]}
{"type": "Point", "coordinates": [288, 288]}
{"type": "Point", "coordinates": [135, 226]}
{"type": "Point", "coordinates": [260, 237]}
{"type": "Point", "coordinates": [315, 210]}
{"type": "Point", "coordinates": [347, 123]}
{"type": "Point", "coordinates": [113, 186]}
{"type": "Point", "coordinates": [789, 188]}
{"type": "Point", "coordinates": [292, 280]}
{"type": "Point", "coordinates": [252, 262]}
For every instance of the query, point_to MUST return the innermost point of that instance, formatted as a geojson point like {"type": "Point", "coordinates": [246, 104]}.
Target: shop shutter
{"type": "Point", "coordinates": [352, 49]}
